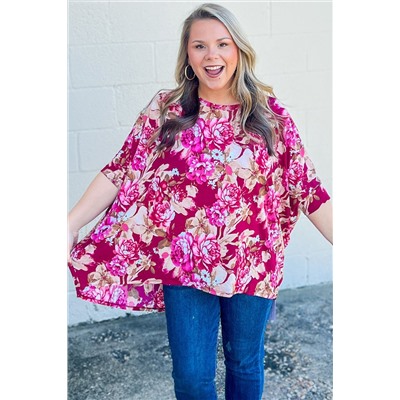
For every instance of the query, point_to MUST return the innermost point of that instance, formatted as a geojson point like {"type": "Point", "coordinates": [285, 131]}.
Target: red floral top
{"type": "Point", "coordinates": [214, 212]}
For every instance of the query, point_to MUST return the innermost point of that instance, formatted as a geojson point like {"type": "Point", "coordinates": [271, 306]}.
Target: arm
{"type": "Point", "coordinates": [322, 220]}
{"type": "Point", "coordinates": [97, 197]}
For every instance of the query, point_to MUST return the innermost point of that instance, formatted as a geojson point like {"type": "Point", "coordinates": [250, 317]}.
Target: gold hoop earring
{"type": "Point", "coordinates": [186, 76]}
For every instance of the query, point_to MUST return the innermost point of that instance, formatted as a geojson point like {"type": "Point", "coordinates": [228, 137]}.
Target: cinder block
{"type": "Point", "coordinates": [319, 92]}
{"type": "Point", "coordinates": [305, 239]}
{"type": "Point", "coordinates": [73, 163]}
{"type": "Point", "coordinates": [91, 108]}
{"type": "Point", "coordinates": [319, 123]}
{"type": "Point", "coordinates": [280, 54]}
{"type": "Point", "coordinates": [70, 283]}
{"type": "Point", "coordinates": [253, 17]}
{"type": "Point", "coordinates": [296, 244]}
{"type": "Point", "coordinates": [319, 135]}
{"type": "Point", "coordinates": [309, 89]}
{"type": "Point", "coordinates": [166, 57]}
{"type": "Point", "coordinates": [295, 271]}
{"type": "Point", "coordinates": [319, 51]}
{"type": "Point", "coordinates": [77, 184]}
{"type": "Point", "coordinates": [97, 148]}
{"type": "Point", "coordinates": [299, 117]}
{"type": "Point", "coordinates": [112, 64]}
{"type": "Point", "coordinates": [319, 267]}
{"type": "Point", "coordinates": [300, 17]}
{"type": "Point", "coordinates": [88, 23]}
{"type": "Point", "coordinates": [146, 21]}
{"type": "Point", "coordinates": [132, 99]}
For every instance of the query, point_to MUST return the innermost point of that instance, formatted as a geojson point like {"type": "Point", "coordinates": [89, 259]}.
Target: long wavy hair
{"type": "Point", "coordinates": [246, 88]}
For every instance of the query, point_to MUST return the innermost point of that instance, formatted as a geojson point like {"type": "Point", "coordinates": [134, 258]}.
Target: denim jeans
{"type": "Point", "coordinates": [193, 320]}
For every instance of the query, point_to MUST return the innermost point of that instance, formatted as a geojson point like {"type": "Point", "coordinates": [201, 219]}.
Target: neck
{"type": "Point", "coordinates": [215, 97]}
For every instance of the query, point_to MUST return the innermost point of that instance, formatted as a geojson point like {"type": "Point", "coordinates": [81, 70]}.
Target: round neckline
{"type": "Point", "coordinates": [212, 105]}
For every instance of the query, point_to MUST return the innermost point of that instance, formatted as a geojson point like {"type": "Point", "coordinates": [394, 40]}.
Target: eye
{"type": "Point", "coordinates": [223, 44]}
{"type": "Point", "coordinates": [199, 46]}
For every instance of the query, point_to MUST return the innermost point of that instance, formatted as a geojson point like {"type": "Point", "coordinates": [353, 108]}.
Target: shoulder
{"type": "Point", "coordinates": [156, 104]}
{"type": "Point", "coordinates": [287, 131]}
{"type": "Point", "coordinates": [161, 100]}
{"type": "Point", "coordinates": [276, 106]}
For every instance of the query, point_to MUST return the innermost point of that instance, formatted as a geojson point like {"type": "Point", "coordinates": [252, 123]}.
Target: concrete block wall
{"type": "Point", "coordinates": [121, 53]}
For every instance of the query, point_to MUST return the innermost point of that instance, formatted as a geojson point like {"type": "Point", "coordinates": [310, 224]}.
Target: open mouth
{"type": "Point", "coordinates": [214, 71]}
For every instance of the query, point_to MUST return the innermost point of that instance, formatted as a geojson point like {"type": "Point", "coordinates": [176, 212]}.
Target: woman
{"type": "Point", "coordinates": [200, 203]}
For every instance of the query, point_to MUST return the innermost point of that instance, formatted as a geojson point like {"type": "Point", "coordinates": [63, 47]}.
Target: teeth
{"type": "Point", "coordinates": [213, 68]}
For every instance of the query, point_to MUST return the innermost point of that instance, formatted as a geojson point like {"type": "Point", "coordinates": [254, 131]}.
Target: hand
{"type": "Point", "coordinates": [72, 241]}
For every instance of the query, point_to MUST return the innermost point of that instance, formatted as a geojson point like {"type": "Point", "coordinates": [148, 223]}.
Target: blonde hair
{"type": "Point", "coordinates": [246, 88]}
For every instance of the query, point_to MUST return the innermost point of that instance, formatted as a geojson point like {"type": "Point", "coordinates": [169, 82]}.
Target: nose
{"type": "Point", "coordinates": [212, 53]}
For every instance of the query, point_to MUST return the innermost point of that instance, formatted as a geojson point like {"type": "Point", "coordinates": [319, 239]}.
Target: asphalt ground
{"type": "Point", "coordinates": [128, 358]}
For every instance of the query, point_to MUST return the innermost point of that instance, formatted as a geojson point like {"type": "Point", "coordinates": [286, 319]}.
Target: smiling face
{"type": "Point", "coordinates": [213, 56]}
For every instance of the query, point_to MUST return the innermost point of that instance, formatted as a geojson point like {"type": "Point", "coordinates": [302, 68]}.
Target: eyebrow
{"type": "Point", "coordinates": [218, 40]}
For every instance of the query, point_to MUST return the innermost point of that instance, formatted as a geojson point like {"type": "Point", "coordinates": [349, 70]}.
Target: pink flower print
{"type": "Point", "coordinates": [162, 214]}
{"type": "Point", "coordinates": [157, 188]}
{"type": "Point", "coordinates": [101, 277]}
{"type": "Point", "coordinates": [77, 252]}
{"type": "Point", "coordinates": [274, 238]}
{"type": "Point", "coordinates": [273, 279]}
{"type": "Point", "coordinates": [147, 132]}
{"type": "Point", "coordinates": [114, 294]}
{"type": "Point", "coordinates": [229, 196]}
{"type": "Point", "coordinates": [127, 249]}
{"type": "Point", "coordinates": [242, 256]}
{"type": "Point", "coordinates": [200, 168]}
{"type": "Point", "coordinates": [243, 278]}
{"type": "Point", "coordinates": [128, 193]}
{"type": "Point", "coordinates": [207, 250]}
{"type": "Point", "coordinates": [117, 295]}
{"type": "Point", "coordinates": [93, 292]}
{"type": "Point", "coordinates": [256, 260]}
{"type": "Point", "coordinates": [295, 170]}
{"type": "Point", "coordinates": [295, 174]}
{"type": "Point", "coordinates": [291, 133]}
{"type": "Point", "coordinates": [155, 185]}
{"type": "Point", "coordinates": [185, 280]}
{"type": "Point", "coordinates": [191, 280]}
{"type": "Point", "coordinates": [103, 229]}
{"type": "Point", "coordinates": [182, 251]}
{"type": "Point", "coordinates": [242, 267]}
{"type": "Point", "coordinates": [175, 108]}
{"type": "Point", "coordinates": [159, 299]}
{"type": "Point", "coordinates": [129, 139]}
{"type": "Point", "coordinates": [178, 194]}
{"type": "Point", "coordinates": [139, 161]}
{"type": "Point", "coordinates": [216, 214]}
{"type": "Point", "coordinates": [193, 138]}
{"type": "Point", "coordinates": [276, 106]}
{"type": "Point", "coordinates": [219, 132]}
{"type": "Point", "coordinates": [271, 205]}
{"type": "Point", "coordinates": [117, 266]}
{"type": "Point", "coordinates": [262, 161]}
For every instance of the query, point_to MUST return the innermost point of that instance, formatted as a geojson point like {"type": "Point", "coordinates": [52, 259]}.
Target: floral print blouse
{"type": "Point", "coordinates": [214, 212]}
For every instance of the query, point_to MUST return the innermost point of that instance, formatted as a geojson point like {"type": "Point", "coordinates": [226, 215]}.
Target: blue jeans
{"type": "Point", "coordinates": [193, 321]}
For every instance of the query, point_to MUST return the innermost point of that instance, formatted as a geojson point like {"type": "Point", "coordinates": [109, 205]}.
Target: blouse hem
{"type": "Point", "coordinates": [123, 307]}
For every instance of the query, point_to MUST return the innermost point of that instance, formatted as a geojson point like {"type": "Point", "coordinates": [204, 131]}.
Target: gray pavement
{"type": "Point", "coordinates": [129, 359]}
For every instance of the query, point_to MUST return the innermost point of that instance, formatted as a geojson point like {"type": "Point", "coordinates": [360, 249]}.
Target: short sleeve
{"type": "Point", "coordinates": [134, 147]}
{"type": "Point", "coordinates": [305, 187]}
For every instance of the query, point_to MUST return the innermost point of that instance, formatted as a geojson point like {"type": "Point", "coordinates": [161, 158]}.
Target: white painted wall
{"type": "Point", "coordinates": [121, 53]}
